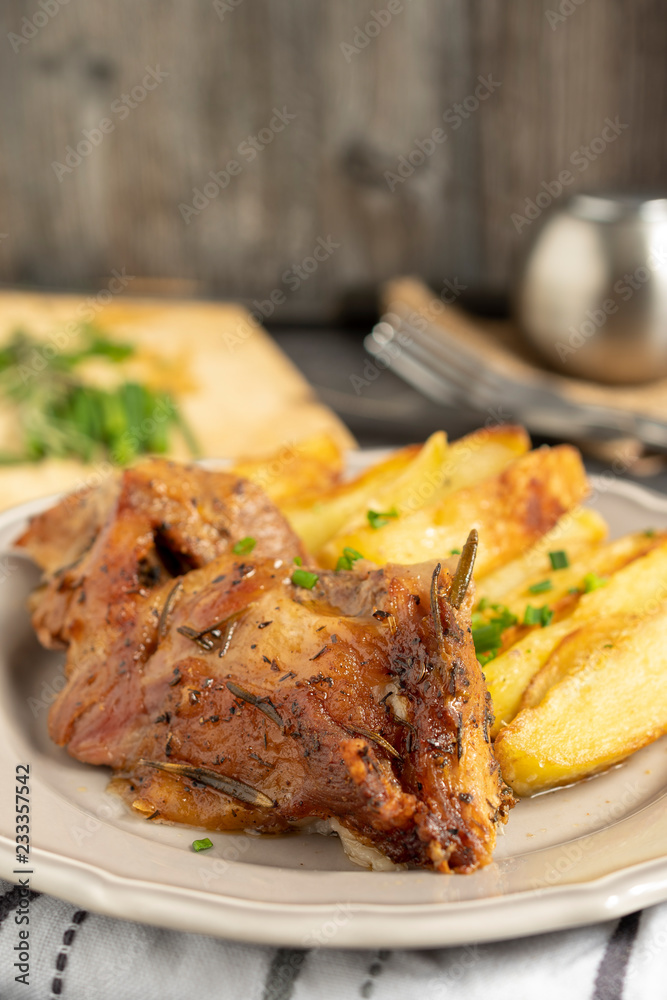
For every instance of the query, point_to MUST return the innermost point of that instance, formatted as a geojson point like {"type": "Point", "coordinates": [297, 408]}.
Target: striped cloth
{"type": "Point", "coordinates": [78, 955]}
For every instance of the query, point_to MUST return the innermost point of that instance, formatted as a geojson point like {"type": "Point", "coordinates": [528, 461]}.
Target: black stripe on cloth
{"type": "Point", "coordinates": [62, 957]}
{"type": "Point", "coordinates": [614, 963]}
{"type": "Point", "coordinates": [11, 899]}
{"type": "Point", "coordinates": [283, 973]}
{"type": "Point", "coordinates": [374, 970]}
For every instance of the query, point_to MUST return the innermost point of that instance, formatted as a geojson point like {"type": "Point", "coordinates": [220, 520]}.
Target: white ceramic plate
{"type": "Point", "coordinates": [590, 852]}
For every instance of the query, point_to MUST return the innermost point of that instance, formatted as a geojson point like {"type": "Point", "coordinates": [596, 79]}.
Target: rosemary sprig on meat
{"type": "Point", "coordinates": [230, 786]}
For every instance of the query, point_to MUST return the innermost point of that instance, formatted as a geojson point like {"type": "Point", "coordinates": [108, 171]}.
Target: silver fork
{"type": "Point", "coordinates": [447, 371]}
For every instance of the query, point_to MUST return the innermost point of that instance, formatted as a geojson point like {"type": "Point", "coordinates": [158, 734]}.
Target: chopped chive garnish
{"type": "Point", "coordinates": [298, 561]}
{"type": "Point", "coordinates": [532, 616]}
{"type": "Point", "coordinates": [487, 636]}
{"type": "Point", "coordinates": [348, 558]}
{"type": "Point", "coordinates": [541, 587]}
{"type": "Point", "coordinates": [202, 845]}
{"type": "Point", "coordinates": [378, 519]}
{"type": "Point", "coordinates": [303, 578]}
{"type": "Point", "coordinates": [484, 603]}
{"type": "Point", "coordinates": [244, 546]}
{"type": "Point", "coordinates": [559, 559]}
{"type": "Point", "coordinates": [455, 552]}
{"type": "Point", "coordinates": [593, 582]}
{"type": "Point", "coordinates": [650, 533]}
{"type": "Point", "coordinates": [537, 616]}
{"type": "Point", "coordinates": [574, 590]}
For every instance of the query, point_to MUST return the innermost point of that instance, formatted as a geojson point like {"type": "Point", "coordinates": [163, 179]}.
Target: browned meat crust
{"type": "Point", "coordinates": [342, 701]}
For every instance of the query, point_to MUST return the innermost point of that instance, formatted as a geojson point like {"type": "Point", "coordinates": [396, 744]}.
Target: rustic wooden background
{"type": "Point", "coordinates": [323, 176]}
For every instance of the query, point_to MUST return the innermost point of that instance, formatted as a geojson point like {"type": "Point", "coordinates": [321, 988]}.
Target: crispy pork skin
{"type": "Point", "coordinates": [224, 694]}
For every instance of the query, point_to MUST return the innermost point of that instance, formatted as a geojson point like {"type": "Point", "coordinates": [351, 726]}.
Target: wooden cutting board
{"type": "Point", "coordinates": [239, 393]}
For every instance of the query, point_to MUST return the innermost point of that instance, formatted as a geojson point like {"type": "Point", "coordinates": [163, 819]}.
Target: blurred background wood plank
{"type": "Point", "coordinates": [229, 64]}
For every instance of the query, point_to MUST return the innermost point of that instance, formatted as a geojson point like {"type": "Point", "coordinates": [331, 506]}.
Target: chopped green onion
{"type": "Point", "coordinates": [244, 546]}
{"type": "Point", "coordinates": [202, 845]}
{"type": "Point", "coordinates": [593, 582]}
{"type": "Point", "coordinates": [490, 655]}
{"type": "Point", "coordinates": [650, 533]}
{"type": "Point", "coordinates": [532, 616]}
{"type": "Point", "coordinates": [298, 561]}
{"type": "Point", "coordinates": [537, 616]}
{"type": "Point", "coordinates": [378, 519]}
{"type": "Point", "coordinates": [488, 635]}
{"type": "Point", "coordinates": [541, 587]}
{"type": "Point", "coordinates": [455, 552]}
{"type": "Point", "coordinates": [559, 559]}
{"type": "Point", "coordinates": [348, 558]}
{"type": "Point", "coordinates": [484, 603]}
{"type": "Point", "coordinates": [303, 578]}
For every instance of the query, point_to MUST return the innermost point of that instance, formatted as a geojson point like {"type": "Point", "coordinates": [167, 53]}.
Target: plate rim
{"type": "Point", "coordinates": [524, 913]}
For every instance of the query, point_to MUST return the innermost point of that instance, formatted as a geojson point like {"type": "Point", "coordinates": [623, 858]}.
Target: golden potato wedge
{"type": "Point", "coordinates": [469, 460]}
{"type": "Point", "coordinates": [578, 531]}
{"type": "Point", "coordinates": [510, 511]}
{"type": "Point", "coordinates": [315, 521]}
{"type": "Point", "coordinates": [478, 456]}
{"type": "Point", "coordinates": [636, 589]}
{"type": "Point", "coordinates": [589, 643]}
{"type": "Point", "coordinates": [305, 469]}
{"type": "Point", "coordinates": [596, 715]}
{"type": "Point", "coordinates": [560, 590]}
{"type": "Point", "coordinates": [508, 676]}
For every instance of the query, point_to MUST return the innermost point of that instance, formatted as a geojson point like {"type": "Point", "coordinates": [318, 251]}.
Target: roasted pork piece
{"type": "Point", "coordinates": [230, 688]}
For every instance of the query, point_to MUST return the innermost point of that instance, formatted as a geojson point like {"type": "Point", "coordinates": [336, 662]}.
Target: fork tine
{"type": "Point", "coordinates": [453, 382]}
{"type": "Point", "coordinates": [452, 351]}
{"type": "Point", "coordinates": [469, 372]}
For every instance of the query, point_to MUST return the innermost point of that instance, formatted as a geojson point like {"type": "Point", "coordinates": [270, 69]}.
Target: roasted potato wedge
{"type": "Point", "coordinates": [473, 458]}
{"type": "Point", "coordinates": [510, 510]}
{"type": "Point", "coordinates": [560, 590]}
{"type": "Point", "coordinates": [588, 644]}
{"type": "Point", "coordinates": [305, 469]}
{"type": "Point", "coordinates": [578, 531]}
{"type": "Point", "coordinates": [603, 709]}
{"type": "Point", "coordinates": [317, 520]}
{"type": "Point", "coordinates": [634, 589]}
